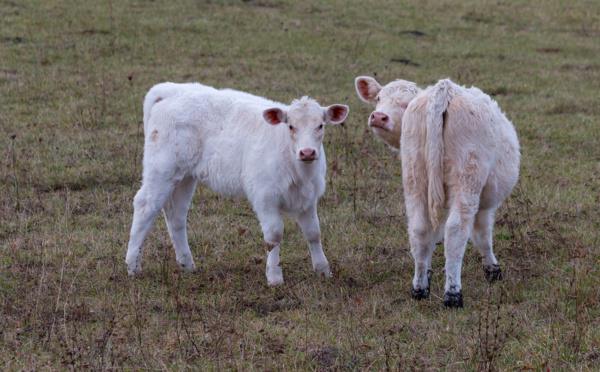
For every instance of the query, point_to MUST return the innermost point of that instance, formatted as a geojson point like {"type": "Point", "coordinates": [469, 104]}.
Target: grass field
{"type": "Point", "coordinates": [72, 79]}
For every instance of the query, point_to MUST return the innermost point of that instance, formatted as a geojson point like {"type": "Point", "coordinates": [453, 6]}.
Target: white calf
{"type": "Point", "coordinates": [460, 160]}
{"type": "Point", "coordinates": [222, 139]}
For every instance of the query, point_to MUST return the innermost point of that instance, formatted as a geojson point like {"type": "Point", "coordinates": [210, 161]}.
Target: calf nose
{"type": "Point", "coordinates": [379, 120]}
{"type": "Point", "coordinates": [308, 154]}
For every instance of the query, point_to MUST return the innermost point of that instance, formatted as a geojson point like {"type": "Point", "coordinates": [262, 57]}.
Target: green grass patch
{"type": "Point", "coordinates": [72, 79]}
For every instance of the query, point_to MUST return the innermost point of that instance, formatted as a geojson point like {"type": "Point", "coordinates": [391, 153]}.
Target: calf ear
{"type": "Point", "coordinates": [367, 88]}
{"type": "Point", "coordinates": [274, 116]}
{"type": "Point", "coordinates": [336, 114]}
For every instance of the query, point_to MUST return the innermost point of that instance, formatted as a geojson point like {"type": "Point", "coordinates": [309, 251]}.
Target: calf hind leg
{"type": "Point", "coordinates": [147, 203]}
{"type": "Point", "coordinates": [175, 211]}
{"type": "Point", "coordinates": [482, 240]}
{"type": "Point", "coordinates": [422, 244]}
{"type": "Point", "coordinates": [457, 231]}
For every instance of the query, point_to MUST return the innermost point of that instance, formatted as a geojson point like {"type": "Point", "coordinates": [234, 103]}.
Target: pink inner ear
{"type": "Point", "coordinates": [272, 116]}
{"type": "Point", "coordinates": [337, 113]}
{"type": "Point", "coordinates": [363, 88]}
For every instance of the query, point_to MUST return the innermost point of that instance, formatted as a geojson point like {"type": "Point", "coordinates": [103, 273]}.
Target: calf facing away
{"type": "Point", "coordinates": [237, 144]}
{"type": "Point", "coordinates": [460, 160]}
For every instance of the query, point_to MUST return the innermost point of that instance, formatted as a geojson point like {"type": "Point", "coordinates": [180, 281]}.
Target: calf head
{"type": "Point", "coordinates": [390, 102]}
{"type": "Point", "coordinates": [306, 121]}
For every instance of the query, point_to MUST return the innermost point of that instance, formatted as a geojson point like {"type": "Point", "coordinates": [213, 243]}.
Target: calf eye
{"type": "Point", "coordinates": [291, 127]}
{"type": "Point", "coordinates": [320, 127]}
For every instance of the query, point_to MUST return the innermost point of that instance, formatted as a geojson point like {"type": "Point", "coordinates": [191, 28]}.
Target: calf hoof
{"type": "Point", "coordinates": [419, 294]}
{"type": "Point", "coordinates": [422, 293]}
{"type": "Point", "coordinates": [323, 270]}
{"type": "Point", "coordinates": [274, 276]}
{"type": "Point", "coordinates": [133, 269]}
{"type": "Point", "coordinates": [133, 272]}
{"type": "Point", "coordinates": [492, 273]}
{"type": "Point", "coordinates": [188, 265]}
{"type": "Point", "coordinates": [453, 300]}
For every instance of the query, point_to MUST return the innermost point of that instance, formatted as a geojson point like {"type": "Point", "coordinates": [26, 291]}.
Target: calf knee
{"type": "Point", "coordinates": [453, 228]}
{"type": "Point", "coordinates": [313, 236]}
{"type": "Point", "coordinates": [272, 238]}
{"type": "Point", "coordinates": [419, 236]}
{"type": "Point", "coordinates": [419, 233]}
{"type": "Point", "coordinates": [459, 222]}
{"type": "Point", "coordinates": [419, 227]}
{"type": "Point", "coordinates": [177, 224]}
{"type": "Point", "coordinates": [272, 228]}
{"type": "Point", "coordinates": [139, 201]}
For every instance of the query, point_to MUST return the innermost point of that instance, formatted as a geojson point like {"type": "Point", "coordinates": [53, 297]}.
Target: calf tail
{"type": "Point", "coordinates": [156, 94]}
{"type": "Point", "coordinates": [434, 149]}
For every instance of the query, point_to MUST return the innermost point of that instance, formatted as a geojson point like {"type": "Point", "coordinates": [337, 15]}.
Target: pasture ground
{"type": "Point", "coordinates": [72, 79]}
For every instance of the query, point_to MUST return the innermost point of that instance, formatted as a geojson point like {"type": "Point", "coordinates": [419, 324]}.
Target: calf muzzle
{"type": "Point", "coordinates": [379, 120]}
{"type": "Point", "coordinates": [308, 154]}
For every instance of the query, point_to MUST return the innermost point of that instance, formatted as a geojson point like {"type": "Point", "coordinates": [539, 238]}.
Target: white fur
{"type": "Point", "coordinates": [460, 160]}
{"type": "Point", "coordinates": [219, 138]}
{"type": "Point", "coordinates": [434, 149]}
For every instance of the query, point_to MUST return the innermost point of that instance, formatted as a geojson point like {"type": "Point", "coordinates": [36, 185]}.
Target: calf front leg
{"type": "Point", "coordinates": [309, 224]}
{"type": "Point", "coordinates": [272, 227]}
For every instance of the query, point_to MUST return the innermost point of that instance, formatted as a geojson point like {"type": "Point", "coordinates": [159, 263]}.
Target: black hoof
{"type": "Point", "coordinates": [492, 273]}
{"type": "Point", "coordinates": [419, 294]}
{"type": "Point", "coordinates": [453, 300]}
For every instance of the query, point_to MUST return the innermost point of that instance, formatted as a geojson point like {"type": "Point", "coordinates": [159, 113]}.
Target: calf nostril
{"type": "Point", "coordinates": [307, 153]}
{"type": "Point", "coordinates": [379, 117]}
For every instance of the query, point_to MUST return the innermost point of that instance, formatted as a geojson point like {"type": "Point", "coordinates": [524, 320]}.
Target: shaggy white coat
{"type": "Point", "coordinates": [460, 160]}
{"type": "Point", "coordinates": [239, 145]}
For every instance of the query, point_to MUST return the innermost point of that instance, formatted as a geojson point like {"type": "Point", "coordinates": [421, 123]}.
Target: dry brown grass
{"type": "Point", "coordinates": [72, 78]}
